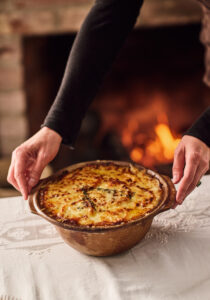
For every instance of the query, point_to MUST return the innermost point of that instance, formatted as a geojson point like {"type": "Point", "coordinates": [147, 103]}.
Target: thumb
{"type": "Point", "coordinates": [178, 164]}
{"type": "Point", "coordinates": [35, 173]}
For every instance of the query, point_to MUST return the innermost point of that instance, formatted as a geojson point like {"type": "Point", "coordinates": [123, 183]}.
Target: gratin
{"type": "Point", "coordinates": [104, 194]}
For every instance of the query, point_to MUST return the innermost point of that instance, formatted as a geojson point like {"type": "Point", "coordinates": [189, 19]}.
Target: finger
{"type": "Point", "coordinates": [199, 173]}
{"type": "Point", "coordinates": [11, 178]}
{"type": "Point", "coordinates": [36, 172]}
{"type": "Point", "coordinates": [19, 173]}
{"type": "Point", "coordinates": [10, 175]}
{"type": "Point", "coordinates": [189, 174]}
{"type": "Point", "coordinates": [178, 164]}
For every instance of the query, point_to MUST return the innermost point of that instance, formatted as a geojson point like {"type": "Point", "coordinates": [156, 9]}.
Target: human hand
{"type": "Point", "coordinates": [191, 162]}
{"type": "Point", "coordinates": [31, 157]}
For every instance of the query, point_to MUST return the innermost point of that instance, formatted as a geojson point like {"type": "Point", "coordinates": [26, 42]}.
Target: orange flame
{"type": "Point", "coordinates": [154, 151]}
{"type": "Point", "coordinates": [163, 147]}
{"type": "Point", "coordinates": [168, 142]}
{"type": "Point", "coordinates": [136, 154]}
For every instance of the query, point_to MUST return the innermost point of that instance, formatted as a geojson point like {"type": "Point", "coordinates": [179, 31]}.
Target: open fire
{"type": "Point", "coordinates": [146, 130]}
{"type": "Point", "coordinates": [153, 143]}
{"type": "Point", "coordinates": [151, 151]}
{"type": "Point", "coordinates": [148, 99]}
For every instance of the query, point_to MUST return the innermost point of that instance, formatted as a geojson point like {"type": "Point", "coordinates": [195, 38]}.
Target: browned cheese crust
{"type": "Point", "coordinates": [104, 194]}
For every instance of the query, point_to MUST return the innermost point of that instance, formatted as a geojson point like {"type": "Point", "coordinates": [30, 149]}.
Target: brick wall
{"type": "Point", "coordinates": [42, 17]}
{"type": "Point", "coordinates": [13, 124]}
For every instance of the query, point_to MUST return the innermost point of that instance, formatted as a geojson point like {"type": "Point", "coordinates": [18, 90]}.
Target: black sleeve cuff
{"type": "Point", "coordinates": [70, 141]}
{"type": "Point", "coordinates": [201, 128]}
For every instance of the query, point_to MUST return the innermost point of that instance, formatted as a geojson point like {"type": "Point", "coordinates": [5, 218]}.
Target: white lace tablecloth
{"type": "Point", "coordinates": [172, 262]}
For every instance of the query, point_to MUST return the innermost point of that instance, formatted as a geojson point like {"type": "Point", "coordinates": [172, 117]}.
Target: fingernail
{"type": "Point", "coordinates": [31, 182]}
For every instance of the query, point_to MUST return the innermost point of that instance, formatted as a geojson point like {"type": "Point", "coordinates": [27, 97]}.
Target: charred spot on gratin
{"type": "Point", "coordinates": [104, 194]}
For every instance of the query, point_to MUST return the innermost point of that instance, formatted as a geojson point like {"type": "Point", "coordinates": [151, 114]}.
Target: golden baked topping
{"type": "Point", "coordinates": [100, 195]}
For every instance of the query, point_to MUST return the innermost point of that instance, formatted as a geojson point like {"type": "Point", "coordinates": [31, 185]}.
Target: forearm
{"type": "Point", "coordinates": [201, 128]}
{"type": "Point", "coordinates": [97, 44]}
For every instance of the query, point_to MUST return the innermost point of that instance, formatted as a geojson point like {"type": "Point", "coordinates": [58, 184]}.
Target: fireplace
{"type": "Point", "coordinates": [152, 94]}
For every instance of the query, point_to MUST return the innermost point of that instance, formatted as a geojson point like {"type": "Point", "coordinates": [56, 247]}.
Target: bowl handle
{"type": "Point", "coordinates": [171, 195]}
{"type": "Point", "coordinates": [31, 204]}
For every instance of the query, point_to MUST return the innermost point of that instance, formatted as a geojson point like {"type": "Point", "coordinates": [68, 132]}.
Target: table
{"type": "Point", "coordinates": [172, 262]}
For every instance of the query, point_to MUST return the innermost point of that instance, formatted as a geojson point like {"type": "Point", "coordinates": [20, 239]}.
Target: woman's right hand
{"type": "Point", "coordinates": [31, 157]}
{"type": "Point", "coordinates": [191, 161]}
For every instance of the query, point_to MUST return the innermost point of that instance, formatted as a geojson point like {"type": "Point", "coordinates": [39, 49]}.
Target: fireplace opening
{"type": "Point", "coordinates": [152, 94]}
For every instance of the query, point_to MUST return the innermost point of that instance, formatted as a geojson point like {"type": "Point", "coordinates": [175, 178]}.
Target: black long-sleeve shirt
{"type": "Point", "coordinates": [94, 50]}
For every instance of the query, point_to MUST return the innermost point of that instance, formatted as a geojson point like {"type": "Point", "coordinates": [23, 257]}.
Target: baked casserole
{"type": "Point", "coordinates": [100, 194]}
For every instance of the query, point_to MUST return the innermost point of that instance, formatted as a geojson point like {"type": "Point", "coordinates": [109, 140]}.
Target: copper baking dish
{"type": "Point", "coordinates": [103, 241]}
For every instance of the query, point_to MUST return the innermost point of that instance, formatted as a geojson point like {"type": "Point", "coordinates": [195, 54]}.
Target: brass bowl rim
{"type": "Point", "coordinates": [162, 206]}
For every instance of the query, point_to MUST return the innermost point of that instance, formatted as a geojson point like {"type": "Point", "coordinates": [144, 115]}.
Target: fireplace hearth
{"type": "Point", "coordinates": [152, 94]}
